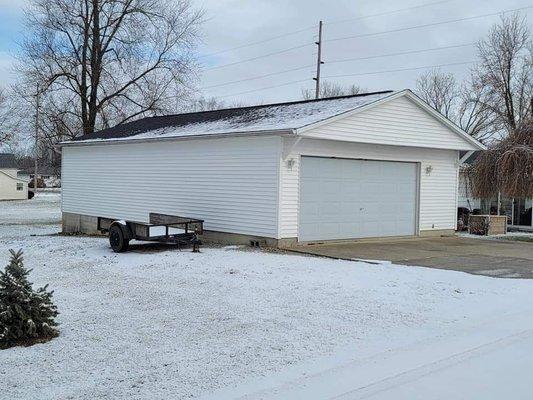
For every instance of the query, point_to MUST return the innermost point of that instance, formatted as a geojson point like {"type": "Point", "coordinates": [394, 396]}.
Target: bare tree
{"type": "Point", "coordinates": [459, 103]}
{"type": "Point", "coordinates": [504, 75]}
{"type": "Point", "coordinates": [498, 96]}
{"type": "Point", "coordinates": [331, 89]}
{"type": "Point", "coordinates": [441, 91]}
{"type": "Point", "coordinates": [104, 62]}
{"type": "Point", "coordinates": [11, 119]}
{"type": "Point", "coordinates": [5, 133]}
{"type": "Point", "coordinates": [209, 104]}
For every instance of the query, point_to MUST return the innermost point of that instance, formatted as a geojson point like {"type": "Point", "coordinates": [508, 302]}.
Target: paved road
{"type": "Point", "coordinates": [496, 258]}
{"type": "Point", "coordinates": [489, 361]}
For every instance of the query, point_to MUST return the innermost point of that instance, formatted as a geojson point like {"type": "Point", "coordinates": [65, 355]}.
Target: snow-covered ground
{"type": "Point", "coordinates": [228, 322]}
{"type": "Point", "coordinates": [44, 208]}
{"type": "Point", "coordinates": [519, 236]}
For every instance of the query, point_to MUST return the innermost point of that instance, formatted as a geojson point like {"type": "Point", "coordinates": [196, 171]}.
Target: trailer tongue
{"type": "Point", "coordinates": [162, 228]}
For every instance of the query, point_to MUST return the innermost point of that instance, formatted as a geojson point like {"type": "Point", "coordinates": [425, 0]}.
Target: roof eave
{"type": "Point", "coordinates": [130, 140]}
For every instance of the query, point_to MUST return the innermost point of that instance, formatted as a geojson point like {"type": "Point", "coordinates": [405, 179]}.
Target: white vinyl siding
{"type": "Point", "coordinates": [11, 187]}
{"type": "Point", "coordinates": [438, 187]}
{"type": "Point", "coordinates": [230, 183]}
{"type": "Point", "coordinates": [398, 122]}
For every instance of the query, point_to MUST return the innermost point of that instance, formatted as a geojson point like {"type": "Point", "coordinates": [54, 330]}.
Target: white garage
{"type": "Point", "coordinates": [373, 165]}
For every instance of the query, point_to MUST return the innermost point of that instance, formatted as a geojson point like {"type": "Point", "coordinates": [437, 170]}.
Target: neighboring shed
{"type": "Point", "coordinates": [11, 186]}
{"type": "Point", "coordinates": [372, 165]}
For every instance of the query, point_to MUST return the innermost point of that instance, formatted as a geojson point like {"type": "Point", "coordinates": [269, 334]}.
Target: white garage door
{"type": "Point", "coordinates": [343, 199]}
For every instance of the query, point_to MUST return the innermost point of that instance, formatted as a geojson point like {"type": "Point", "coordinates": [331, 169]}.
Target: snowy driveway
{"type": "Point", "coordinates": [228, 323]}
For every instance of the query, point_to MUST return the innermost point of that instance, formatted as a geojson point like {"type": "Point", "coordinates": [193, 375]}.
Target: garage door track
{"type": "Point", "coordinates": [495, 258]}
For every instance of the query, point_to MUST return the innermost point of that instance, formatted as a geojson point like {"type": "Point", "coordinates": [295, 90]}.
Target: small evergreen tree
{"type": "Point", "coordinates": [26, 316]}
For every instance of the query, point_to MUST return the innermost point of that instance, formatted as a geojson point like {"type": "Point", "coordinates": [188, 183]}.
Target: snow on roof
{"type": "Point", "coordinates": [263, 118]}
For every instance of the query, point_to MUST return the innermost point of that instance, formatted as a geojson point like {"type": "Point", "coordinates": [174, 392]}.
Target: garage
{"type": "Point", "coordinates": [344, 198]}
{"type": "Point", "coordinates": [380, 164]}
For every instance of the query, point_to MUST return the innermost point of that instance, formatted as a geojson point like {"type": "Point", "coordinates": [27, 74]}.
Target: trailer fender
{"type": "Point", "coordinates": [128, 234]}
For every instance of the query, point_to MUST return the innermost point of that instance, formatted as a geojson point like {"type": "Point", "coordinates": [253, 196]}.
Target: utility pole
{"type": "Point", "coordinates": [36, 152]}
{"type": "Point", "coordinates": [319, 61]}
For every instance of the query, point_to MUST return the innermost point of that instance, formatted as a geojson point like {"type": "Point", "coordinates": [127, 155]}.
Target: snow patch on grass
{"type": "Point", "coordinates": [44, 208]}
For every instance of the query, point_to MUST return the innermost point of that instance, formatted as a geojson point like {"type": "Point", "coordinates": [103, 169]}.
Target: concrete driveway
{"type": "Point", "coordinates": [496, 258]}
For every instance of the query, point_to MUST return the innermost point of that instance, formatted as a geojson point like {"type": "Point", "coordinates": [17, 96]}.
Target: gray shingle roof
{"type": "Point", "coordinates": [7, 161]}
{"type": "Point", "coordinates": [268, 117]}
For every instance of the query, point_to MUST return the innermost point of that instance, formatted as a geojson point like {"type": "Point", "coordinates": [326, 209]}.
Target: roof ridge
{"type": "Point", "coordinates": [285, 103]}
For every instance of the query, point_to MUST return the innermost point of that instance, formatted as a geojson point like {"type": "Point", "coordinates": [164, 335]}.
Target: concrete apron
{"type": "Point", "coordinates": [495, 258]}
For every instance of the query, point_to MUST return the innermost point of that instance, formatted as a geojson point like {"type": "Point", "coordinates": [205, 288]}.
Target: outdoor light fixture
{"type": "Point", "coordinates": [290, 163]}
{"type": "Point", "coordinates": [429, 168]}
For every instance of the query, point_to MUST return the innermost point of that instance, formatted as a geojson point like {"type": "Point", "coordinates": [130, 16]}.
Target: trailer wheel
{"type": "Point", "coordinates": [117, 239]}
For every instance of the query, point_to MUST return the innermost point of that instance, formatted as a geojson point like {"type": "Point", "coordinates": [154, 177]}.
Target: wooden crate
{"type": "Point", "coordinates": [487, 224]}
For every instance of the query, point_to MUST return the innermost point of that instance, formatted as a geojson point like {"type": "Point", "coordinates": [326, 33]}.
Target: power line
{"type": "Point", "coordinates": [257, 77]}
{"type": "Point", "coordinates": [400, 53]}
{"type": "Point", "coordinates": [338, 61]}
{"type": "Point", "coordinates": [426, 25]}
{"type": "Point", "coordinates": [259, 57]}
{"type": "Point", "coordinates": [327, 22]}
{"type": "Point", "coordinates": [399, 70]}
{"type": "Point", "coordinates": [388, 12]}
{"type": "Point", "coordinates": [258, 42]}
{"type": "Point", "coordinates": [347, 75]}
{"type": "Point", "coordinates": [265, 88]}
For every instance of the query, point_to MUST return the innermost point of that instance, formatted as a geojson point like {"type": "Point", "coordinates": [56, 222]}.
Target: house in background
{"type": "Point", "coordinates": [380, 164]}
{"type": "Point", "coordinates": [12, 187]}
{"type": "Point", "coordinates": [518, 211]}
{"type": "Point", "coordinates": [49, 175]}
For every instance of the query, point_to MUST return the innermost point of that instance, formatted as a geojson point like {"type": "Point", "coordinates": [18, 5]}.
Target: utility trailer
{"type": "Point", "coordinates": [162, 228]}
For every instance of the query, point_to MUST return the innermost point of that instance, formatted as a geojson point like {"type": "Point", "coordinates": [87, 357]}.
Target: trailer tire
{"type": "Point", "coordinates": [117, 239]}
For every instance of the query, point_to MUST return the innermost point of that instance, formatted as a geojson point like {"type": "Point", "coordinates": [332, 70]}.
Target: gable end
{"type": "Point", "coordinates": [402, 119]}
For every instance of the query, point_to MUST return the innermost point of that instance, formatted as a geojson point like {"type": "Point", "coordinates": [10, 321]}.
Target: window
{"type": "Point", "coordinates": [20, 186]}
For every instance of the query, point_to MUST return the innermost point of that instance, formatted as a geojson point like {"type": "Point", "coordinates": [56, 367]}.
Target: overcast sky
{"type": "Point", "coordinates": [235, 23]}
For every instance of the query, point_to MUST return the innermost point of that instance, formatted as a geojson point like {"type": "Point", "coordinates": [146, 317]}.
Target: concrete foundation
{"type": "Point", "coordinates": [86, 224]}
{"type": "Point", "coordinates": [239, 239]}
{"type": "Point", "coordinates": [77, 223]}
{"type": "Point", "coordinates": [437, 232]}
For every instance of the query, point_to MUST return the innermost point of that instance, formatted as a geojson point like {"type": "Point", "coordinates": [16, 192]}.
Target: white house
{"type": "Point", "coordinates": [372, 165]}
{"type": "Point", "coordinates": [11, 186]}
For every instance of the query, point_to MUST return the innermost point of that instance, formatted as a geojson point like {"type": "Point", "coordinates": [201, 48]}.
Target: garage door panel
{"type": "Point", "coordinates": [341, 199]}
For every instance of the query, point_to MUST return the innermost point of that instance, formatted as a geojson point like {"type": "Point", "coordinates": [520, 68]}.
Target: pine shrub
{"type": "Point", "coordinates": [27, 316]}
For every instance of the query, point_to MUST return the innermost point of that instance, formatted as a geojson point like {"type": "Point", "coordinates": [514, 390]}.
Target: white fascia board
{"type": "Point", "coordinates": [466, 156]}
{"type": "Point", "coordinates": [96, 142]}
{"type": "Point", "coordinates": [411, 96]}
